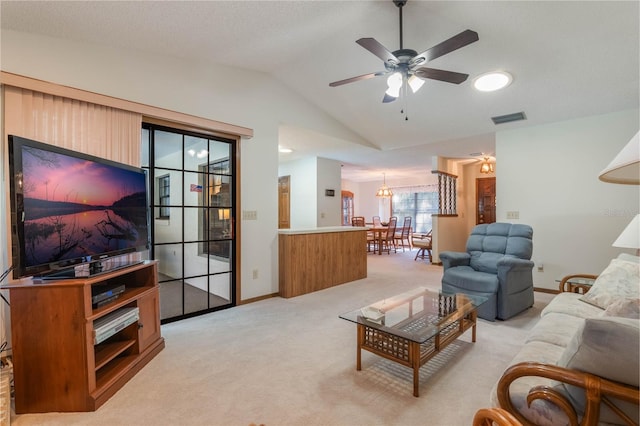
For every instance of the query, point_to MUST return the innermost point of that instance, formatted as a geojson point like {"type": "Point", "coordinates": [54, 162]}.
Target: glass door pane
{"type": "Point", "coordinates": [192, 182]}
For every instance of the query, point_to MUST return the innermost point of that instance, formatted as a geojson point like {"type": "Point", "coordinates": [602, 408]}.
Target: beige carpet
{"type": "Point", "coordinates": [292, 362]}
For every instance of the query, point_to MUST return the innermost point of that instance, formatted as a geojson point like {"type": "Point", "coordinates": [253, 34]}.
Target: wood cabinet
{"type": "Point", "coordinates": [57, 367]}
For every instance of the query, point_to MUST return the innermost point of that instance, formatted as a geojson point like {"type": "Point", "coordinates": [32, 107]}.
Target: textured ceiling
{"type": "Point", "coordinates": [569, 59]}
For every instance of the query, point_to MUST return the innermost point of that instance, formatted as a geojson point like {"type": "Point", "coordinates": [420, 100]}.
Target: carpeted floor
{"type": "Point", "coordinates": [292, 362]}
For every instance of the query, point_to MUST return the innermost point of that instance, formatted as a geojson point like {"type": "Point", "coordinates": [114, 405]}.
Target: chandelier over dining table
{"type": "Point", "coordinates": [384, 191]}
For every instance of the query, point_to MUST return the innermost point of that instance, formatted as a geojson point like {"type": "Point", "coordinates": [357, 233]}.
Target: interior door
{"type": "Point", "coordinates": [284, 201]}
{"type": "Point", "coordinates": [485, 200]}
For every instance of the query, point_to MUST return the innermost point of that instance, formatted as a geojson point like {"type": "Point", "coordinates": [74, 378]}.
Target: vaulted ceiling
{"type": "Point", "coordinates": [568, 59]}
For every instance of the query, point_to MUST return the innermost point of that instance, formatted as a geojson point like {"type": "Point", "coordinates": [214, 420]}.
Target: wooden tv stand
{"type": "Point", "coordinates": [57, 367]}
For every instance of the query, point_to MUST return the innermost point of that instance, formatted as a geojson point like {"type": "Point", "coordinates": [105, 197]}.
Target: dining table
{"type": "Point", "coordinates": [378, 232]}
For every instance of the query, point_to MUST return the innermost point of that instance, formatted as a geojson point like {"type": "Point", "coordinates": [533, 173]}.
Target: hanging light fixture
{"type": "Point", "coordinates": [415, 83]}
{"type": "Point", "coordinates": [394, 83]}
{"type": "Point", "coordinates": [486, 166]}
{"type": "Point", "coordinates": [384, 191]}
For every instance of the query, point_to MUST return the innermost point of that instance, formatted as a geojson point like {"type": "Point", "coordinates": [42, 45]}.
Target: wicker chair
{"type": "Point", "coordinates": [599, 391]}
{"type": "Point", "coordinates": [424, 244]}
{"type": "Point", "coordinates": [494, 416]}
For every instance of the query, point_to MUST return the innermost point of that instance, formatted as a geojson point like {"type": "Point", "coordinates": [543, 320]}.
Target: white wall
{"type": "Point", "coordinates": [303, 209]}
{"type": "Point", "coordinates": [329, 208]}
{"type": "Point", "coordinates": [549, 174]}
{"type": "Point", "coordinates": [309, 206]}
{"type": "Point", "coordinates": [203, 89]}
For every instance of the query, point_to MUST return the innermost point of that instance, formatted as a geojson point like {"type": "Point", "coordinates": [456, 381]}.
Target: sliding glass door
{"type": "Point", "coordinates": [192, 184]}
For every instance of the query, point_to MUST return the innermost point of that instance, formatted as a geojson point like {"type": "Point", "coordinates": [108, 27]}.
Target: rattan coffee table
{"type": "Point", "coordinates": [413, 327]}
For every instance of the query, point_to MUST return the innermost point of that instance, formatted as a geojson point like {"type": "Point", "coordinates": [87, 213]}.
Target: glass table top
{"type": "Point", "coordinates": [580, 281]}
{"type": "Point", "coordinates": [417, 315]}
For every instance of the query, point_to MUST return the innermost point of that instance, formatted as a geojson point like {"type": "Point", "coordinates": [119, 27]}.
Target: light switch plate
{"type": "Point", "coordinates": [513, 215]}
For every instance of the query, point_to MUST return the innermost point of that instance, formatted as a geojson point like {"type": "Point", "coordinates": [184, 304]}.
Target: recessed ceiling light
{"type": "Point", "coordinates": [284, 150]}
{"type": "Point", "coordinates": [491, 81]}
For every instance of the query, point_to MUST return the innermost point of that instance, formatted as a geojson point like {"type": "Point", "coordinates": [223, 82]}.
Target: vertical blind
{"type": "Point", "coordinates": [81, 126]}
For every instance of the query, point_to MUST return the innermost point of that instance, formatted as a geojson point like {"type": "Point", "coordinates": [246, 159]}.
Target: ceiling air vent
{"type": "Point", "coordinates": [516, 116]}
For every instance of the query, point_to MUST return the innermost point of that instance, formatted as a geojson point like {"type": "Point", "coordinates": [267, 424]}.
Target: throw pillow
{"type": "Point", "coordinates": [621, 279]}
{"type": "Point", "coordinates": [608, 347]}
{"type": "Point", "coordinates": [624, 307]}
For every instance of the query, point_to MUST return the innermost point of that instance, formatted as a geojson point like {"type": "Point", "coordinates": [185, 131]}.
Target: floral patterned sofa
{"type": "Point", "coordinates": [580, 363]}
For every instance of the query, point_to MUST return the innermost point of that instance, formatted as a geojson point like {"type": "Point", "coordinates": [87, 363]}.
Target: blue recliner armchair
{"type": "Point", "coordinates": [496, 265]}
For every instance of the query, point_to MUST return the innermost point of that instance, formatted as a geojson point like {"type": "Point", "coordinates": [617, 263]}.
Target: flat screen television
{"type": "Point", "coordinates": [69, 208]}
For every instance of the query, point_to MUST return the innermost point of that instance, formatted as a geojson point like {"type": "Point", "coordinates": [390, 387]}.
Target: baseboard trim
{"type": "Point", "coordinates": [257, 299]}
{"type": "Point", "coordinates": [546, 290]}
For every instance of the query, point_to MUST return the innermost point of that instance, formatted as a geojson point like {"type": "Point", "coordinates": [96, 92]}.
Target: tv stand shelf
{"type": "Point", "coordinates": [57, 367]}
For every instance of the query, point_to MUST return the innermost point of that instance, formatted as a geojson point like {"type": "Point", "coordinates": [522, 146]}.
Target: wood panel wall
{"type": "Point", "coordinates": [315, 261]}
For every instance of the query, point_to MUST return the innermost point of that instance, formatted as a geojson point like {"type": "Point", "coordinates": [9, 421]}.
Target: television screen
{"type": "Point", "coordinates": [69, 208]}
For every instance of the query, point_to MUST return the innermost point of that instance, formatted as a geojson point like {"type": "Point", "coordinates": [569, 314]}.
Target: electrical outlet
{"type": "Point", "coordinates": [540, 267]}
{"type": "Point", "coordinates": [255, 274]}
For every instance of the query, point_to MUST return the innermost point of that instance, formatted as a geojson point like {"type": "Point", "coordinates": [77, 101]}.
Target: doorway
{"type": "Point", "coordinates": [485, 200]}
{"type": "Point", "coordinates": [192, 182]}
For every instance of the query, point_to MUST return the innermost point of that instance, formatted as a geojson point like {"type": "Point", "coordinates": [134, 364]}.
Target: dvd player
{"type": "Point", "coordinates": [112, 323]}
{"type": "Point", "coordinates": [104, 293]}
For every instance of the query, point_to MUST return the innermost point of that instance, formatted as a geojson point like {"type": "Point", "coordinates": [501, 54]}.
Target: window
{"type": "Point", "coordinates": [417, 202]}
{"type": "Point", "coordinates": [164, 197]}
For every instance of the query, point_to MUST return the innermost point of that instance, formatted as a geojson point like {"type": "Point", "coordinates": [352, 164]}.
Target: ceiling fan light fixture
{"type": "Point", "coordinates": [492, 81]}
{"type": "Point", "coordinates": [393, 92]}
{"type": "Point", "coordinates": [415, 83]}
{"type": "Point", "coordinates": [395, 83]}
{"type": "Point", "coordinates": [394, 80]}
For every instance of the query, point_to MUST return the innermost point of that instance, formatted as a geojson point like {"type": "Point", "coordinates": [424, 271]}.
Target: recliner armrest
{"type": "Point", "coordinates": [514, 263]}
{"type": "Point", "coordinates": [451, 259]}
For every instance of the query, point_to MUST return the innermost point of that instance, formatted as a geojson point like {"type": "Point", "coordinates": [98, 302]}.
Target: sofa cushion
{"type": "Point", "coordinates": [570, 304]}
{"type": "Point", "coordinates": [608, 347]}
{"type": "Point", "coordinates": [540, 412]}
{"type": "Point", "coordinates": [556, 328]}
{"type": "Point", "coordinates": [621, 279]}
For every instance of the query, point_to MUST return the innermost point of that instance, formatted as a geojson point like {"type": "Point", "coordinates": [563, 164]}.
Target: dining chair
{"type": "Point", "coordinates": [402, 234]}
{"type": "Point", "coordinates": [357, 221]}
{"type": "Point", "coordinates": [388, 236]}
{"type": "Point", "coordinates": [377, 222]}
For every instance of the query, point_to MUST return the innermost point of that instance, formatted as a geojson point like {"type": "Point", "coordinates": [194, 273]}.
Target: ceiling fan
{"type": "Point", "coordinates": [404, 65]}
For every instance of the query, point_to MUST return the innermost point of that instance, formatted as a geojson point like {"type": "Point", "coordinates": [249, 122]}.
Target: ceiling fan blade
{"type": "Point", "coordinates": [434, 74]}
{"type": "Point", "coordinates": [358, 78]}
{"type": "Point", "coordinates": [373, 46]}
{"type": "Point", "coordinates": [388, 99]}
{"type": "Point", "coordinates": [456, 42]}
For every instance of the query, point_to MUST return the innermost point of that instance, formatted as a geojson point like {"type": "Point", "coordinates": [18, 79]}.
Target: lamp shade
{"type": "Point", "coordinates": [630, 237]}
{"type": "Point", "coordinates": [384, 191]}
{"type": "Point", "coordinates": [625, 167]}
